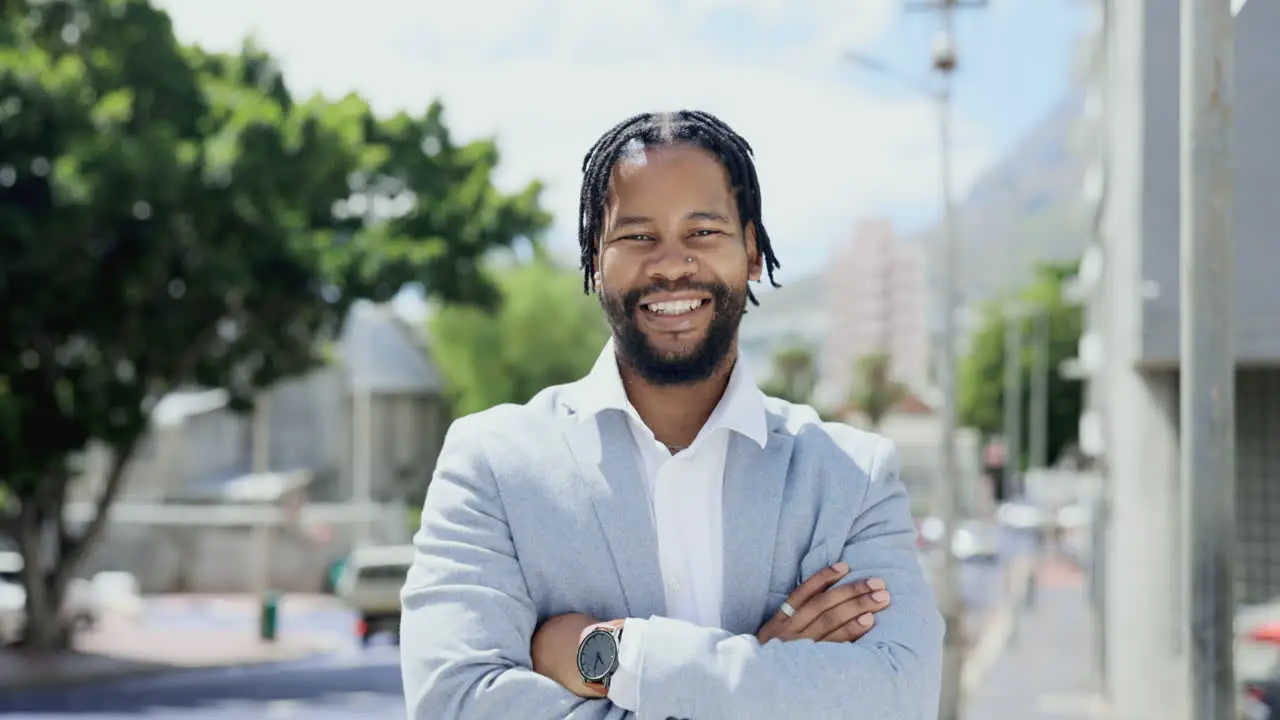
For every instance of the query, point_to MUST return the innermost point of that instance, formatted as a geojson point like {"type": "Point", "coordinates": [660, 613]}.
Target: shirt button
{"type": "Point", "coordinates": [675, 584]}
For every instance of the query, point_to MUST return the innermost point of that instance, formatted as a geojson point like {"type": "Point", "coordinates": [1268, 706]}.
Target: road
{"type": "Point", "coordinates": [346, 684]}
{"type": "Point", "coordinates": [342, 686]}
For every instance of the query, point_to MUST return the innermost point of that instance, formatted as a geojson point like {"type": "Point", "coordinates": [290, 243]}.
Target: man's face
{"type": "Point", "coordinates": [673, 263]}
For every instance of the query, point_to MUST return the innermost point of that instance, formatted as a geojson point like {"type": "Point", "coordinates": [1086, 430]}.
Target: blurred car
{"type": "Point", "coordinates": [976, 540]}
{"type": "Point", "coordinates": [10, 566]}
{"type": "Point", "coordinates": [13, 612]}
{"type": "Point", "coordinates": [972, 540]}
{"type": "Point", "coordinates": [81, 609]}
{"type": "Point", "coordinates": [117, 593]}
{"type": "Point", "coordinates": [929, 532]}
{"type": "Point", "coordinates": [1257, 702]}
{"type": "Point", "coordinates": [1257, 661]}
{"type": "Point", "coordinates": [370, 585]}
{"type": "Point", "coordinates": [1261, 683]}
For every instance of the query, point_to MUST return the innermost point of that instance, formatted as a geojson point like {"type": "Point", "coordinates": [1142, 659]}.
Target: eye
{"type": "Point", "coordinates": [706, 233]}
{"type": "Point", "coordinates": [640, 237]}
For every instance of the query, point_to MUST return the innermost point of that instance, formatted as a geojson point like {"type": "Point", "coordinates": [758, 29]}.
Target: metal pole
{"type": "Point", "coordinates": [1012, 400]}
{"type": "Point", "coordinates": [1208, 350]}
{"type": "Point", "coordinates": [362, 465]}
{"type": "Point", "coordinates": [260, 465]}
{"type": "Point", "coordinates": [1039, 415]}
{"type": "Point", "coordinates": [949, 599]}
{"type": "Point", "coordinates": [949, 487]}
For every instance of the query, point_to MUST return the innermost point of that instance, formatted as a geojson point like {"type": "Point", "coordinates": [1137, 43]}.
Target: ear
{"type": "Point", "coordinates": [755, 266]}
{"type": "Point", "coordinates": [596, 282]}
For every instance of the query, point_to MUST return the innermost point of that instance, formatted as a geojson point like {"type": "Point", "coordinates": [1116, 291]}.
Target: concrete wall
{"type": "Point", "coordinates": [310, 427]}
{"type": "Point", "coordinates": [1136, 390]}
{"type": "Point", "coordinates": [1257, 180]}
{"type": "Point", "coordinates": [168, 558]}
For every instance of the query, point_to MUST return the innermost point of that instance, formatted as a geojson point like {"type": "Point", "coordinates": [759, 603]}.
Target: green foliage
{"type": "Point", "coordinates": [982, 372]}
{"type": "Point", "coordinates": [174, 218]}
{"type": "Point", "coordinates": [544, 332]}
{"type": "Point", "coordinates": [794, 375]}
{"type": "Point", "coordinates": [876, 392]}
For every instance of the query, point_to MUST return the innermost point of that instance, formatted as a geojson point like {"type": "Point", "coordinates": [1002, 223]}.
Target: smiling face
{"type": "Point", "coordinates": [674, 261]}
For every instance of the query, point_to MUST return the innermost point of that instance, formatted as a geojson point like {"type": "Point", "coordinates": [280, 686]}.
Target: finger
{"type": "Point", "coordinates": [849, 620]}
{"type": "Point", "coordinates": [815, 584]}
{"type": "Point", "coordinates": [818, 606]}
{"type": "Point", "coordinates": [852, 630]}
{"type": "Point", "coordinates": [844, 613]}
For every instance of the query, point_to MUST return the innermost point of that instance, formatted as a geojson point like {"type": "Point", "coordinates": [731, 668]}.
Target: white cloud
{"type": "Point", "coordinates": [546, 77]}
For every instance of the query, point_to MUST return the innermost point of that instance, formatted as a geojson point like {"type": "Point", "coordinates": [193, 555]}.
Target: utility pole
{"type": "Point", "coordinates": [1207, 374]}
{"type": "Point", "coordinates": [950, 600]}
{"type": "Point", "coordinates": [260, 449]}
{"type": "Point", "coordinates": [1012, 399]}
{"type": "Point", "coordinates": [1039, 412]}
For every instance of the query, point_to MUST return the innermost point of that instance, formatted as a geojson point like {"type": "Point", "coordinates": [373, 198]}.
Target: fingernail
{"type": "Point", "coordinates": [866, 620]}
{"type": "Point", "coordinates": [880, 596]}
{"type": "Point", "coordinates": [875, 584]}
{"type": "Point", "coordinates": [841, 567]}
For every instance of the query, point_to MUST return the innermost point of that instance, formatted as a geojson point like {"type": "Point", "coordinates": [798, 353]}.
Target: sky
{"type": "Point", "coordinates": [833, 142]}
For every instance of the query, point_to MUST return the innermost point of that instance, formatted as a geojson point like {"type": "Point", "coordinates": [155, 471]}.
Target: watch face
{"type": "Point", "coordinates": [597, 655]}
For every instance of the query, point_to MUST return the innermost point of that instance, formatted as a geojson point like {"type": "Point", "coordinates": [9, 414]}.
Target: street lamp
{"type": "Point", "coordinates": [950, 600]}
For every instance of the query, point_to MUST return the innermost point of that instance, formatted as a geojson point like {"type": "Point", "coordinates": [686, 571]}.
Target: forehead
{"type": "Point", "coordinates": [669, 174]}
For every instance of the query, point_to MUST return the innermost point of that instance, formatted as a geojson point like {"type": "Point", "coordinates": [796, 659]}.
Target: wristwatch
{"type": "Point", "coordinates": [598, 654]}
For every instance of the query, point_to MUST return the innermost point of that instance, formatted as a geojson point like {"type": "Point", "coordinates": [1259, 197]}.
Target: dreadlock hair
{"type": "Point", "coordinates": [658, 129]}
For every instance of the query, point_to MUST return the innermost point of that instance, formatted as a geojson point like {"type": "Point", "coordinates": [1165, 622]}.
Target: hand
{"type": "Point", "coordinates": [555, 651]}
{"type": "Point", "coordinates": [827, 614]}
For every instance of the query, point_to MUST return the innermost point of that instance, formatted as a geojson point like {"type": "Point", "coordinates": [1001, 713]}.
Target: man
{"type": "Point", "coordinates": [660, 540]}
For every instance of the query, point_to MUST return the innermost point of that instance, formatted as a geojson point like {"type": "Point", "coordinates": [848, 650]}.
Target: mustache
{"type": "Point", "coordinates": [631, 299]}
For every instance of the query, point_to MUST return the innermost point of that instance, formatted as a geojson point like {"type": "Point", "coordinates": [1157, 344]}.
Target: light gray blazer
{"type": "Point", "coordinates": [535, 512]}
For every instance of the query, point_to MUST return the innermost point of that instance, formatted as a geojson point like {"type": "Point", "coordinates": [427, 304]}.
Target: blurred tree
{"type": "Point", "coordinates": [982, 371]}
{"type": "Point", "coordinates": [794, 375]}
{"type": "Point", "coordinates": [544, 332]}
{"type": "Point", "coordinates": [174, 218]}
{"type": "Point", "coordinates": [875, 391]}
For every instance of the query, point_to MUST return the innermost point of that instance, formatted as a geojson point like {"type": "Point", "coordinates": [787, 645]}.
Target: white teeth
{"type": "Point", "coordinates": [674, 307]}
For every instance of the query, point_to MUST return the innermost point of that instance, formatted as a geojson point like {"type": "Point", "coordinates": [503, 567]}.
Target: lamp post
{"type": "Point", "coordinates": [948, 490]}
{"type": "Point", "coordinates": [1208, 358]}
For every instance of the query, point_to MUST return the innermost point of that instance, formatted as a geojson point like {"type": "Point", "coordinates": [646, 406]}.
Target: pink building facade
{"type": "Point", "coordinates": [877, 300]}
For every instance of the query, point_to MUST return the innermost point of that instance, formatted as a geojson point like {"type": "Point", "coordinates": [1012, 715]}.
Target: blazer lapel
{"type": "Point", "coordinates": [614, 482]}
{"type": "Point", "coordinates": [754, 480]}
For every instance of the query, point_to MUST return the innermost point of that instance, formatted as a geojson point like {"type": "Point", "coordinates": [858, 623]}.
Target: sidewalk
{"type": "Point", "coordinates": [1046, 673]}
{"type": "Point", "coordinates": [122, 647]}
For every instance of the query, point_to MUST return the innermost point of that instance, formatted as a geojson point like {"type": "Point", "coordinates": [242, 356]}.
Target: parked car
{"type": "Point", "coordinates": [81, 609]}
{"type": "Point", "coordinates": [1257, 661]}
{"type": "Point", "coordinates": [370, 585]}
{"type": "Point", "coordinates": [972, 540]}
{"type": "Point", "coordinates": [13, 609]}
{"type": "Point", "coordinates": [976, 540]}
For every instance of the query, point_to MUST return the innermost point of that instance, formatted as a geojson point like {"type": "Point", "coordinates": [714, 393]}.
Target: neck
{"type": "Point", "coordinates": [675, 413]}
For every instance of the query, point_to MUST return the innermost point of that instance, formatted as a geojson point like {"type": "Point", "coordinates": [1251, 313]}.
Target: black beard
{"type": "Point", "coordinates": [666, 369]}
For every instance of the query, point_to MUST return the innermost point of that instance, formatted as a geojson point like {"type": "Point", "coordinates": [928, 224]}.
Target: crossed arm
{"type": "Point", "coordinates": [468, 622]}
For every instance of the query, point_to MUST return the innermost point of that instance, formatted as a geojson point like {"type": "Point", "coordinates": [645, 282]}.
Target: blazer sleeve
{"type": "Point", "coordinates": [892, 673]}
{"type": "Point", "coordinates": [467, 619]}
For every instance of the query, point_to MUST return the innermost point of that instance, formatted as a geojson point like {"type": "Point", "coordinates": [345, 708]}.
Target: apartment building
{"type": "Point", "coordinates": [877, 300]}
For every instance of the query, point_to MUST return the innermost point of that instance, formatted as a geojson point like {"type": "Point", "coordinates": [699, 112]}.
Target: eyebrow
{"type": "Point", "coordinates": [632, 220]}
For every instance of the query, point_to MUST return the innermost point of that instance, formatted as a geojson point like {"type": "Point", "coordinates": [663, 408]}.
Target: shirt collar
{"type": "Point", "coordinates": [741, 408]}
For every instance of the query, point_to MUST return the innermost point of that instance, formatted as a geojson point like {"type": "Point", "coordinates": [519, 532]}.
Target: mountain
{"type": "Point", "coordinates": [1024, 210]}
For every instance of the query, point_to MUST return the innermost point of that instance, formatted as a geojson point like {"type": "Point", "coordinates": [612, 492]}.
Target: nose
{"type": "Point", "coordinates": [673, 263]}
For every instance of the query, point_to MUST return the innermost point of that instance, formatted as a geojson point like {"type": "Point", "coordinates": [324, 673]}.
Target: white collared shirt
{"type": "Point", "coordinates": [685, 494]}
